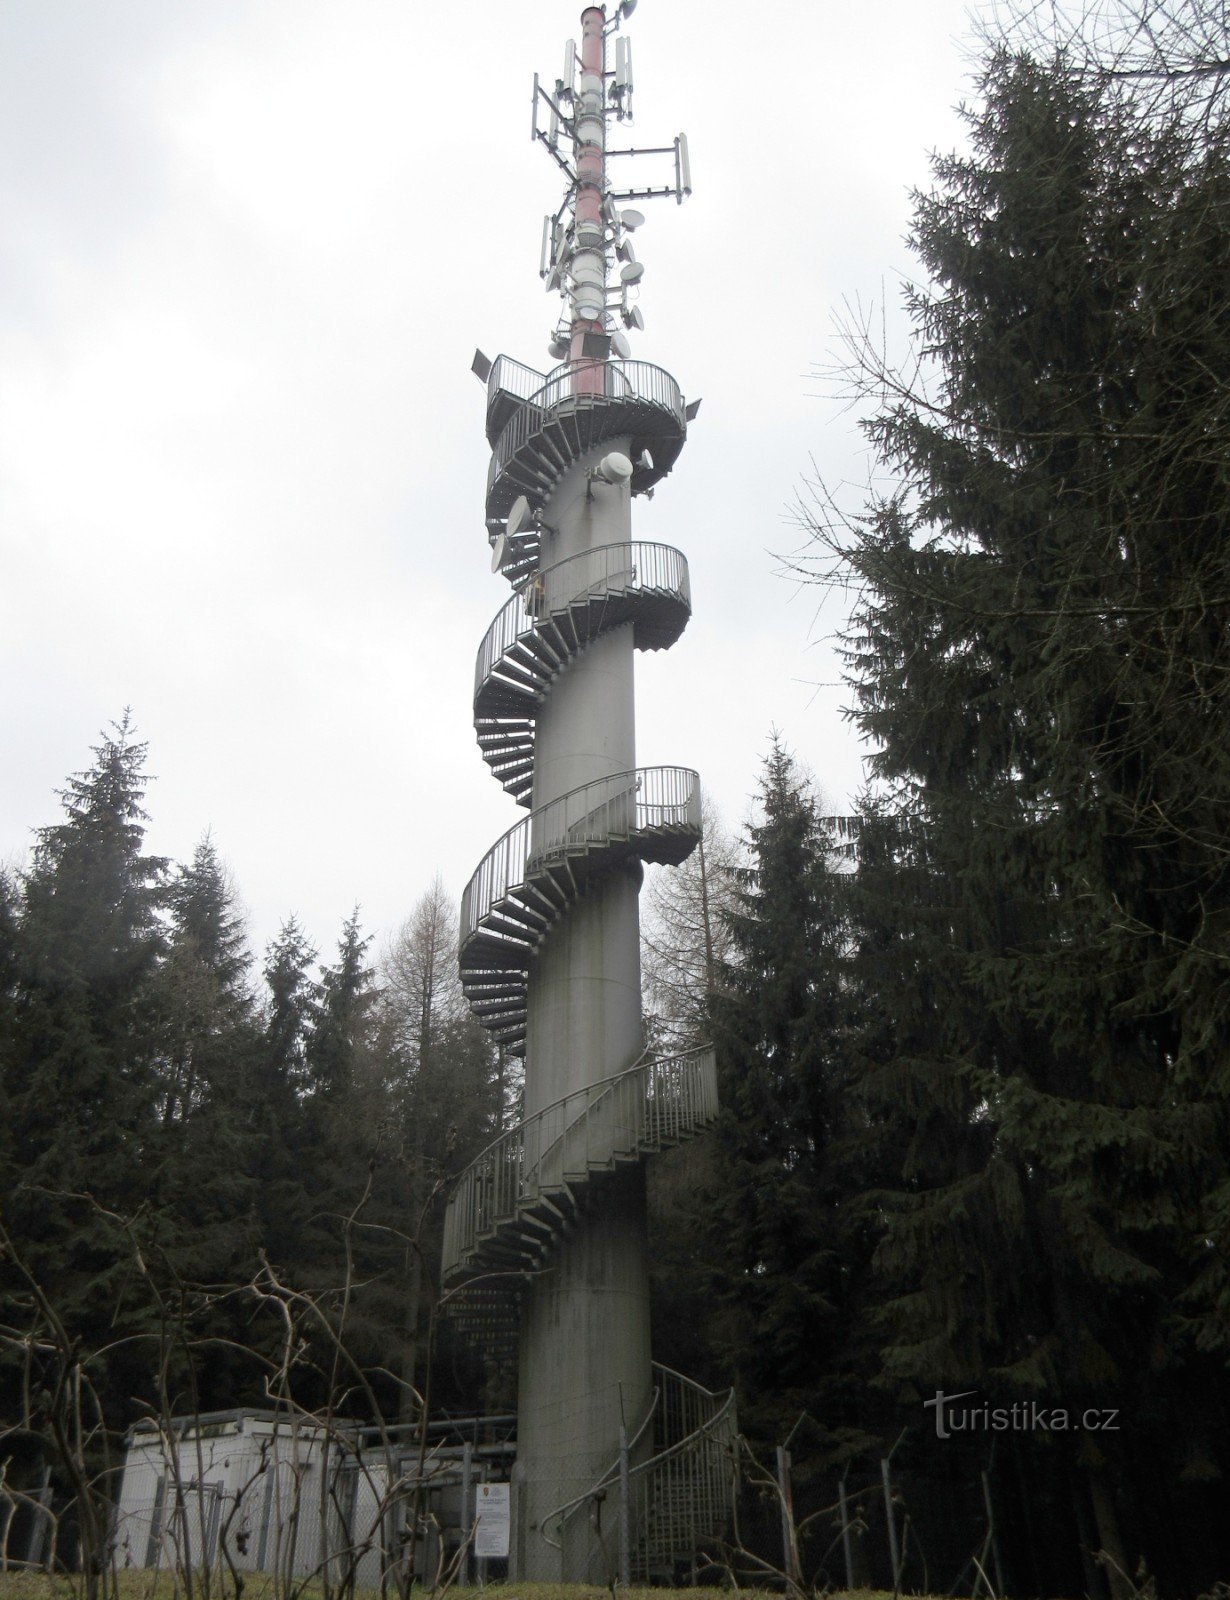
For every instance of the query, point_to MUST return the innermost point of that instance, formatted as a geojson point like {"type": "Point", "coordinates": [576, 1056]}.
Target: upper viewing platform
{"type": "Point", "coordinates": [539, 424]}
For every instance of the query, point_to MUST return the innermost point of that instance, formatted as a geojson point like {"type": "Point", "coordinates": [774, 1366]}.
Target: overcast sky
{"type": "Point", "coordinates": [248, 248]}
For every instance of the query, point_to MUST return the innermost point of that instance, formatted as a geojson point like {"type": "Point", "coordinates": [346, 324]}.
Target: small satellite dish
{"type": "Point", "coordinates": [557, 349]}
{"type": "Point", "coordinates": [632, 272]}
{"type": "Point", "coordinates": [615, 468]}
{"type": "Point", "coordinates": [517, 517]}
{"type": "Point", "coordinates": [620, 345]}
{"type": "Point", "coordinates": [644, 462]}
{"type": "Point", "coordinates": [632, 220]}
{"type": "Point", "coordinates": [624, 250]}
{"type": "Point", "coordinates": [498, 550]}
{"type": "Point", "coordinates": [636, 320]}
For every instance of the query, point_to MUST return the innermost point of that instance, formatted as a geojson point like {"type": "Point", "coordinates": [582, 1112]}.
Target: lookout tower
{"type": "Point", "coordinates": [620, 1464]}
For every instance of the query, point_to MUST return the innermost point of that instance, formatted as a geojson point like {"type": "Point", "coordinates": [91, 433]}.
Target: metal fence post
{"type": "Point", "coordinates": [625, 1514]}
{"type": "Point", "coordinates": [845, 1529]}
{"type": "Point", "coordinates": [790, 1549]}
{"type": "Point", "coordinates": [894, 1556]}
{"type": "Point", "coordinates": [467, 1510]}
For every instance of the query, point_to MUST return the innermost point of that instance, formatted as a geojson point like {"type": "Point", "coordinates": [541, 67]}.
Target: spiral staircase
{"type": "Point", "coordinates": [515, 1207]}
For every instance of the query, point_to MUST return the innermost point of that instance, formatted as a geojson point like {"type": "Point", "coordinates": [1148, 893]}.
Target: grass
{"type": "Point", "coordinates": [162, 1586]}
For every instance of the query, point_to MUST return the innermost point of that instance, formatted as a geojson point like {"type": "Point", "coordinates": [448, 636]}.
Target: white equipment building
{"type": "Point", "coordinates": [264, 1491]}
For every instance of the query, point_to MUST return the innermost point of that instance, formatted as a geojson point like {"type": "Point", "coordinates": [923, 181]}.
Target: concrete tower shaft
{"type": "Point", "coordinates": [584, 1018]}
{"type": "Point", "coordinates": [585, 1334]}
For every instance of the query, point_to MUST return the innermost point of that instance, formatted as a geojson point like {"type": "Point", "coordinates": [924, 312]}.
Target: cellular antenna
{"type": "Point", "coordinates": [589, 232]}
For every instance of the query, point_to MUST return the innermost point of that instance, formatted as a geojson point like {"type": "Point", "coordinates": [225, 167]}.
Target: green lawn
{"type": "Point", "coordinates": [162, 1586]}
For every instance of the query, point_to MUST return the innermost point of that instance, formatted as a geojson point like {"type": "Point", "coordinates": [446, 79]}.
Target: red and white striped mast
{"type": "Point", "coordinates": [588, 231]}
{"type": "Point", "coordinates": [589, 262]}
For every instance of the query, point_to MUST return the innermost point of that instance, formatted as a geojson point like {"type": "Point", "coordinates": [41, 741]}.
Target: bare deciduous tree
{"type": "Point", "coordinates": [684, 937]}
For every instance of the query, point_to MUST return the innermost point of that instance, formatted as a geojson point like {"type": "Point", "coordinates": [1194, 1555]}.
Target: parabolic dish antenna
{"type": "Point", "coordinates": [517, 517]}
{"type": "Point", "coordinates": [498, 550]}
{"type": "Point", "coordinates": [615, 468]}
{"type": "Point", "coordinates": [631, 219]}
{"type": "Point", "coordinates": [620, 345]}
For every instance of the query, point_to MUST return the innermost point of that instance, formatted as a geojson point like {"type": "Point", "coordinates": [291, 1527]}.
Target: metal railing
{"type": "Point", "coordinates": [612, 569]}
{"type": "Point", "coordinates": [681, 1494]}
{"type": "Point", "coordinates": [653, 1103]}
{"type": "Point", "coordinates": [612, 381]}
{"type": "Point", "coordinates": [514, 378]}
{"type": "Point", "coordinates": [610, 809]}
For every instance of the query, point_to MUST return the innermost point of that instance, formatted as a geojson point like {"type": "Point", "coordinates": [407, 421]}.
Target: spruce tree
{"type": "Point", "coordinates": [281, 1144]}
{"type": "Point", "coordinates": [1039, 662]}
{"type": "Point", "coordinates": [288, 1010]}
{"type": "Point", "coordinates": [209, 1073]}
{"type": "Point", "coordinates": [339, 1041]}
{"type": "Point", "coordinates": [789, 1248]}
{"type": "Point", "coordinates": [342, 1138]}
{"type": "Point", "coordinates": [80, 1085]}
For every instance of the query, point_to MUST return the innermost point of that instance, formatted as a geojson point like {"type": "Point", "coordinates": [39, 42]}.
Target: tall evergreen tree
{"type": "Point", "coordinates": [343, 1138]}
{"type": "Point", "coordinates": [790, 1249]}
{"type": "Point", "coordinates": [342, 1023]}
{"type": "Point", "coordinates": [209, 1071]}
{"type": "Point", "coordinates": [281, 1142]}
{"type": "Point", "coordinates": [1038, 658]}
{"type": "Point", "coordinates": [9, 975]}
{"type": "Point", "coordinates": [207, 996]}
{"type": "Point", "coordinates": [81, 1074]}
{"type": "Point", "coordinates": [80, 1059]}
{"type": "Point", "coordinates": [288, 1009]}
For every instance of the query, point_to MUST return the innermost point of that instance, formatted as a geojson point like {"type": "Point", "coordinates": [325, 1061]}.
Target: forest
{"type": "Point", "coordinates": [973, 1038]}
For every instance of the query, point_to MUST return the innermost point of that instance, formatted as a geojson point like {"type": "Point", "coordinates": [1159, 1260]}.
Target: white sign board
{"type": "Point", "coordinates": [492, 1519]}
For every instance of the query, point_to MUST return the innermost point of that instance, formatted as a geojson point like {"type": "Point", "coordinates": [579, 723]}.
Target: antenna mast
{"type": "Point", "coordinates": [587, 266]}
{"type": "Point", "coordinates": [588, 233]}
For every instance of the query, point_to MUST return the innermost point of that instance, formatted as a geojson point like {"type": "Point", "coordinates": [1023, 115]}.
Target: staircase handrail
{"type": "Point", "coordinates": [705, 1428]}
{"type": "Point", "coordinates": [611, 1473]}
{"type": "Point", "coordinates": [724, 1404]}
{"type": "Point", "coordinates": [663, 797]}
{"type": "Point", "coordinates": [512, 377]}
{"type": "Point", "coordinates": [642, 1060]}
{"type": "Point", "coordinates": [507, 1152]}
{"type": "Point", "coordinates": [649, 565]}
{"type": "Point", "coordinates": [617, 380]}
